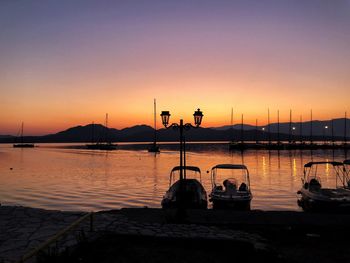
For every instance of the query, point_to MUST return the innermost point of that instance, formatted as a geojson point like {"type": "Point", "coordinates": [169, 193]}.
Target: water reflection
{"type": "Point", "coordinates": [76, 179]}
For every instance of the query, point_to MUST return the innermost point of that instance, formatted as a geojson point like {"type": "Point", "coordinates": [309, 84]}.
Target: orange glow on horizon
{"type": "Point", "coordinates": [60, 68]}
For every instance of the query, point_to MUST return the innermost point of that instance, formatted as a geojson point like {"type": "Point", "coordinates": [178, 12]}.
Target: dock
{"type": "Point", "coordinates": [268, 234]}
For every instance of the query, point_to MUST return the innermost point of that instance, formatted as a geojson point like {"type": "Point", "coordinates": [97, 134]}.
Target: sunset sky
{"type": "Point", "coordinates": [67, 63]}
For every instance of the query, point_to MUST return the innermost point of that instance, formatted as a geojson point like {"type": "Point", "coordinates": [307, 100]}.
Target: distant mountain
{"type": "Point", "coordinates": [246, 127]}
{"type": "Point", "coordinates": [138, 133]}
{"type": "Point", "coordinates": [100, 133]}
{"type": "Point", "coordinates": [6, 136]}
{"type": "Point", "coordinates": [318, 127]}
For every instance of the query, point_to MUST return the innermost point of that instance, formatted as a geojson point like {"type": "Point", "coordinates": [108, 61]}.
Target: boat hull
{"type": "Point", "coordinates": [106, 147]}
{"type": "Point", "coordinates": [309, 201]}
{"type": "Point", "coordinates": [154, 148]}
{"type": "Point", "coordinates": [231, 203]}
{"type": "Point", "coordinates": [24, 145]}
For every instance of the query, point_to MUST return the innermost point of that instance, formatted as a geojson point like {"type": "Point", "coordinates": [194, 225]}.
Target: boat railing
{"type": "Point", "coordinates": [311, 171]}
{"type": "Point", "coordinates": [242, 167]}
{"type": "Point", "coordinates": [178, 169]}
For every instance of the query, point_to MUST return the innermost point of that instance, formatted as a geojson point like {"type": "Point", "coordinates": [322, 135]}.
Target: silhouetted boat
{"type": "Point", "coordinates": [22, 144]}
{"type": "Point", "coordinates": [314, 197]}
{"type": "Point", "coordinates": [185, 193]}
{"type": "Point", "coordinates": [107, 145]}
{"type": "Point", "coordinates": [154, 147]}
{"type": "Point", "coordinates": [228, 194]}
{"type": "Point", "coordinates": [102, 146]}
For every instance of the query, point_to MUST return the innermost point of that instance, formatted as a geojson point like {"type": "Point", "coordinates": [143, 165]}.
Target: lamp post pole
{"type": "Point", "coordinates": [181, 128]}
{"type": "Point", "coordinates": [198, 115]}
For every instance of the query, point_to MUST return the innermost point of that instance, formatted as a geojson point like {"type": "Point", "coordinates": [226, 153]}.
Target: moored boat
{"type": "Point", "coordinates": [107, 145]}
{"type": "Point", "coordinates": [102, 146]}
{"type": "Point", "coordinates": [185, 193]}
{"type": "Point", "coordinates": [315, 197]}
{"type": "Point", "coordinates": [232, 193]}
{"type": "Point", "coordinates": [22, 144]}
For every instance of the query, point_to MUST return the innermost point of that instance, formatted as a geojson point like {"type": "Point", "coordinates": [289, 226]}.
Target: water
{"type": "Point", "coordinates": [54, 177]}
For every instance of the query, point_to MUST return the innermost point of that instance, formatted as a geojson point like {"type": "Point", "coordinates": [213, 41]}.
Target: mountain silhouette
{"type": "Point", "coordinates": [318, 127]}
{"type": "Point", "coordinates": [144, 133]}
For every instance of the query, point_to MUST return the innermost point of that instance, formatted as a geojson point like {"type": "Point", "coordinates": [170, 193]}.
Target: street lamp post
{"type": "Point", "coordinates": [198, 116]}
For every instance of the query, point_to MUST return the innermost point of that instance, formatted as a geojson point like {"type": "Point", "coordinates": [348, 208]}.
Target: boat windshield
{"type": "Point", "coordinates": [328, 172]}
{"type": "Point", "coordinates": [192, 172]}
{"type": "Point", "coordinates": [236, 174]}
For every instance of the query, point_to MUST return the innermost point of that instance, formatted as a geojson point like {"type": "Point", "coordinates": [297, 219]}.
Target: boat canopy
{"type": "Point", "coordinates": [309, 164]}
{"type": "Point", "coordinates": [347, 162]}
{"type": "Point", "coordinates": [230, 166]}
{"type": "Point", "coordinates": [191, 168]}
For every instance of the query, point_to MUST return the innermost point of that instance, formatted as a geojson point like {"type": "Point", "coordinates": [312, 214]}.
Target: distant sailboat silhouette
{"type": "Point", "coordinates": [106, 145]}
{"type": "Point", "coordinates": [154, 147]}
{"type": "Point", "coordinates": [22, 144]}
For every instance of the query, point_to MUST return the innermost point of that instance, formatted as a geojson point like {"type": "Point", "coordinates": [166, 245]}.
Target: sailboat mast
{"type": "Point", "coordinates": [93, 133]}
{"type": "Point", "coordinates": [332, 123]}
{"type": "Point", "coordinates": [278, 126]}
{"type": "Point", "coordinates": [268, 124]}
{"type": "Point", "coordinates": [155, 122]}
{"type": "Point", "coordinates": [107, 137]}
{"type": "Point", "coordinates": [311, 128]}
{"type": "Point", "coordinates": [345, 130]}
{"type": "Point", "coordinates": [242, 130]}
{"type": "Point", "coordinates": [22, 132]}
{"type": "Point", "coordinates": [232, 137]}
{"type": "Point", "coordinates": [300, 129]}
{"type": "Point", "coordinates": [290, 126]}
{"type": "Point", "coordinates": [256, 131]}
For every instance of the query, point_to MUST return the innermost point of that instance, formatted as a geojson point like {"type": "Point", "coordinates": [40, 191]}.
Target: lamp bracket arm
{"type": "Point", "coordinates": [173, 125]}
{"type": "Point", "coordinates": [188, 126]}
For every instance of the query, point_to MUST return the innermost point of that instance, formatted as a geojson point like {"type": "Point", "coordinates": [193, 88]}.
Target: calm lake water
{"type": "Point", "coordinates": [53, 176]}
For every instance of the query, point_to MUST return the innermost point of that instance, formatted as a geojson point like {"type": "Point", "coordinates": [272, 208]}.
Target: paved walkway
{"type": "Point", "coordinates": [24, 229]}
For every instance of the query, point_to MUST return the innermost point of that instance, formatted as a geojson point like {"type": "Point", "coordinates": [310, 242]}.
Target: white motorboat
{"type": "Point", "coordinates": [315, 197]}
{"type": "Point", "coordinates": [232, 193]}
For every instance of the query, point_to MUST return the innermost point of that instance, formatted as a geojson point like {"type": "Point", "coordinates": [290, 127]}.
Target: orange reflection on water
{"type": "Point", "coordinates": [52, 177]}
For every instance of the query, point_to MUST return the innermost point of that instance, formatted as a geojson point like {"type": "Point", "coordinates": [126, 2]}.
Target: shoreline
{"type": "Point", "coordinates": [24, 229]}
{"type": "Point", "coordinates": [197, 145]}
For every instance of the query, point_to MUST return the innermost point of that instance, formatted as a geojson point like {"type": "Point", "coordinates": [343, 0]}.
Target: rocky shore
{"type": "Point", "coordinates": [131, 235]}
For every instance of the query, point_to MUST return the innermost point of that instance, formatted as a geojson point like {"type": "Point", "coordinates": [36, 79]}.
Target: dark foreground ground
{"type": "Point", "coordinates": [287, 237]}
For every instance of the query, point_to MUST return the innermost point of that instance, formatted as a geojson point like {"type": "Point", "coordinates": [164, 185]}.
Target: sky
{"type": "Point", "coordinates": [66, 63]}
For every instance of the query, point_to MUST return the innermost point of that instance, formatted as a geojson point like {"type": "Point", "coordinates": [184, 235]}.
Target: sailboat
{"type": "Point", "coordinates": [232, 144]}
{"type": "Point", "coordinates": [22, 144]}
{"type": "Point", "coordinates": [106, 145]}
{"type": "Point", "coordinates": [235, 145]}
{"type": "Point", "coordinates": [154, 147]}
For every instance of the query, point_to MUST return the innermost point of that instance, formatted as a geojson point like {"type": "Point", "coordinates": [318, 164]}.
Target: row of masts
{"type": "Point", "coordinates": [291, 136]}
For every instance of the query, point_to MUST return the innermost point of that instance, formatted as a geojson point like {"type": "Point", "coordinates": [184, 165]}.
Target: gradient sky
{"type": "Point", "coordinates": [65, 63]}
